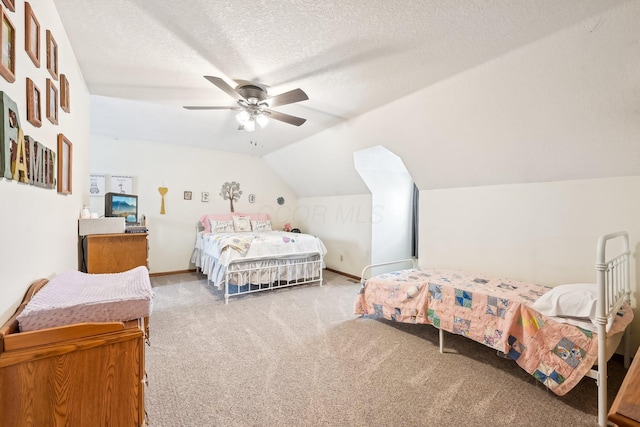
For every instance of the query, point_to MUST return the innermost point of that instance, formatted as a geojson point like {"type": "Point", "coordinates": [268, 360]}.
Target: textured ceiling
{"type": "Point", "coordinates": [145, 59]}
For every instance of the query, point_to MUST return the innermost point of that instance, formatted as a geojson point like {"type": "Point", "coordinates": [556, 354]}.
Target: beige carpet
{"type": "Point", "coordinates": [299, 357]}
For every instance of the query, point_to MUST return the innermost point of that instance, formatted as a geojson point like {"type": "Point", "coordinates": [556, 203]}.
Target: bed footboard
{"type": "Point", "coordinates": [266, 273]}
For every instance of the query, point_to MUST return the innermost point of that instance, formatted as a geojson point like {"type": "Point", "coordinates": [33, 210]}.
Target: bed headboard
{"type": "Point", "coordinates": [613, 274]}
{"type": "Point", "coordinates": [203, 222]}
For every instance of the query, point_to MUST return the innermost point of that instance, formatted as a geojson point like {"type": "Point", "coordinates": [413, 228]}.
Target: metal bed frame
{"type": "Point", "coordinates": [613, 291]}
{"type": "Point", "coordinates": [298, 269]}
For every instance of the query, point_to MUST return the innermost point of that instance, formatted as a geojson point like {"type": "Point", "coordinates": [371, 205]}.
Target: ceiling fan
{"type": "Point", "coordinates": [255, 104]}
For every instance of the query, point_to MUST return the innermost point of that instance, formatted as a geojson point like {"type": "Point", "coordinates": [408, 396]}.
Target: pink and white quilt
{"type": "Point", "coordinates": [493, 311]}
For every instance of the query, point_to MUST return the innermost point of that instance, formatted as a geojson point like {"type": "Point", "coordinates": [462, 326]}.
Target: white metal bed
{"type": "Point", "coordinates": [613, 286]}
{"type": "Point", "coordinates": [249, 273]}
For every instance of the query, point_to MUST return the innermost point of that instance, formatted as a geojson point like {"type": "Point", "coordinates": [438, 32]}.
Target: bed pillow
{"type": "Point", "coordinates": [261, 225]}
{"type": "Point", "coordinates": [575, 304]}
{"type": "Point", "coordinates": [221, 226]}
{"type": "Point", "coordinates": [241, 223]}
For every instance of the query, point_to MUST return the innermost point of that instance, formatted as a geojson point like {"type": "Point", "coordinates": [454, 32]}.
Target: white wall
{"type": "Point", "coordinates": [39, 226]}
{"type": "Point", "coordinates": [344, 225]}
{"type": "Point", "coordinates": [153, 165]}
{"type": "Point", "coordinates": [542, 232]}
{"type": "Point", "coordinates": [391, 188]}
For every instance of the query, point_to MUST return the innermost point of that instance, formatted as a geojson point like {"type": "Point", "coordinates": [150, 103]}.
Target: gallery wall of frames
{"type": "Point", "coordinates": [46, 164]}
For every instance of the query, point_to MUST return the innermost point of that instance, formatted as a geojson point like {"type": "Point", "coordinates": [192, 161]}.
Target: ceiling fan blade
{"type": "Point", "coordinates": [226, 88]}
{"type": "Point", "coordinates": [292, 120]}
{"type": "Point", "coordinates": [295, 95]}
{"type": "Point", "coordinates": [196, 107]}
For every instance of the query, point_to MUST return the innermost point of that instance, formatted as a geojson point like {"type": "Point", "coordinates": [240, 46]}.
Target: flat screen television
{"type": "Point", "coordinates": [124, 205]}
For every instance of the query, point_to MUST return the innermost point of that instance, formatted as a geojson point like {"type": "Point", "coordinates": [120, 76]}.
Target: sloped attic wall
{"type": "Point", "coordinates": [564, 107]}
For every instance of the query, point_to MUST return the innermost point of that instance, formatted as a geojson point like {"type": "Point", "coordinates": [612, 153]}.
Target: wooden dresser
{"type": "Point", "coordinates": [625, 410]}
{"type": "Point", "coordinates": [114, 253]}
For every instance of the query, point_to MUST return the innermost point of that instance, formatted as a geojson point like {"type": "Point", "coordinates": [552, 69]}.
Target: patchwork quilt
{"type": "Point", "coordinates": [493, 311]}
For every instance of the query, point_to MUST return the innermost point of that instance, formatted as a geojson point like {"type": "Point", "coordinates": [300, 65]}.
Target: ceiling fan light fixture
{"type": "Point", "coordinates": [262, 120]}
{"type": "Point", "coordinates": [250, 126]}
{"type": "Point", "coordinates": [243, 117]}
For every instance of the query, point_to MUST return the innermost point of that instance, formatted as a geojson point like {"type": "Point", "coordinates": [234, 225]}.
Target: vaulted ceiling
{"type": "Point", "coordinates": [145, 59]}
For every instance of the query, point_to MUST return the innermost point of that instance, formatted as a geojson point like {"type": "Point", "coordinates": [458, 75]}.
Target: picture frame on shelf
{"type": "Point", "coordinates": [34, 115]}
{"type": "Point", "coordinates": [52, 55]}
{"type": "Point", "coordinates": [52, 102]}
{"type": "Point", "coordinates": [10, 4]}
{"type": "Point", "coordinates": [65, 162]}
{"type": "Point", "coordinates": [64, 94]}
{"type": "Point", "coordinates": [7, 48]}
{"type": "Point", "coordinates": [31, 34]}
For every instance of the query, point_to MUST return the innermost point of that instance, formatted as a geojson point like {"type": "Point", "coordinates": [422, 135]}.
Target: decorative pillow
{"type": "Point", "coordinates": [221, 226]}
{"type": "Point", "coordinates": [241, 223]}
{"type": "Point", "coordinates": [575, 304]}
{"type": "Point", "coordinates": [261, 225]}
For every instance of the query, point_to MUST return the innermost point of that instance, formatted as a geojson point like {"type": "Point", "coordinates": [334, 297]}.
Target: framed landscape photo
{"type": "Point", "coordinates": [33, 104]}
{"type": "Point", "coordinates": [64, 93]}
{"type": "Point", "coordinates": [10, 4]}
{"type": "Point", "coordinates": [31, 34]}
{"type": "Point", "coordinates": [65, 160]}
{"type": "Point", "coordinates": [8, 48]}
{"type": "Point", "coordinates": [52, 102]}
{"type": "Point", "coordinates": [52, 55]}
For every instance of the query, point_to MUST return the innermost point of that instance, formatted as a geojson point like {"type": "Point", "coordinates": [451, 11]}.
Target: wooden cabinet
{"type": "Point", "coordinates": [84, 374]}
{"type": "Point", "coordinates": [625, 411]}
{"type": "Point", "coordinates": [114, 253]}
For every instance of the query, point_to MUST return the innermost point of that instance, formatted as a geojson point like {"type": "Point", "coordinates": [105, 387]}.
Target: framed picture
{"type": "Point", "coordinates": [33, 104]}
{"type": "Point", "coordinates": [10, 4]}
{"type": "Point", "coordinates": [64, 93]}
{"type": "Point", "coordinates": [8, 48]}
{"type": "Point", "coordinates": [52, 55]}
{"type": "Point", "coordinates": [31, 34]}
{"type": "Point", "coordinates": [65, 160]}
{"type": "Point", "coordinates": [205, 197]}
{"type": "Point", "coordinates": [52, 102]}
{"type": "Point", "coordinates": [97, 185]}
{"type": "Point", "coordinates": [187, 195]}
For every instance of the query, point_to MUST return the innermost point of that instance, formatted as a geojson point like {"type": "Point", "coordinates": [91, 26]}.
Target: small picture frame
{"type": "Point", "coordinates": [64, 94]}
{"type": "Point", "coordinates": [65, 161]}
{"type": "Point", "coordinates": [52, 55]}
{"type": "Point", "coordinates": [205, 197]}
{"type": "Point", "coordinates": [187, 195]}
{"type": "Point", "coordinates": [31, 34]}
{"type": "Point", "coordinates": [10, 4]}
{"type": "Point", "coordinates": [252, 198]}
{"type": "Point", "coordinates": [52, 102]}
{"type": "Point", "coordinates": [7, 48]}
{"type": "Point", "coordinates": [33, 104]}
